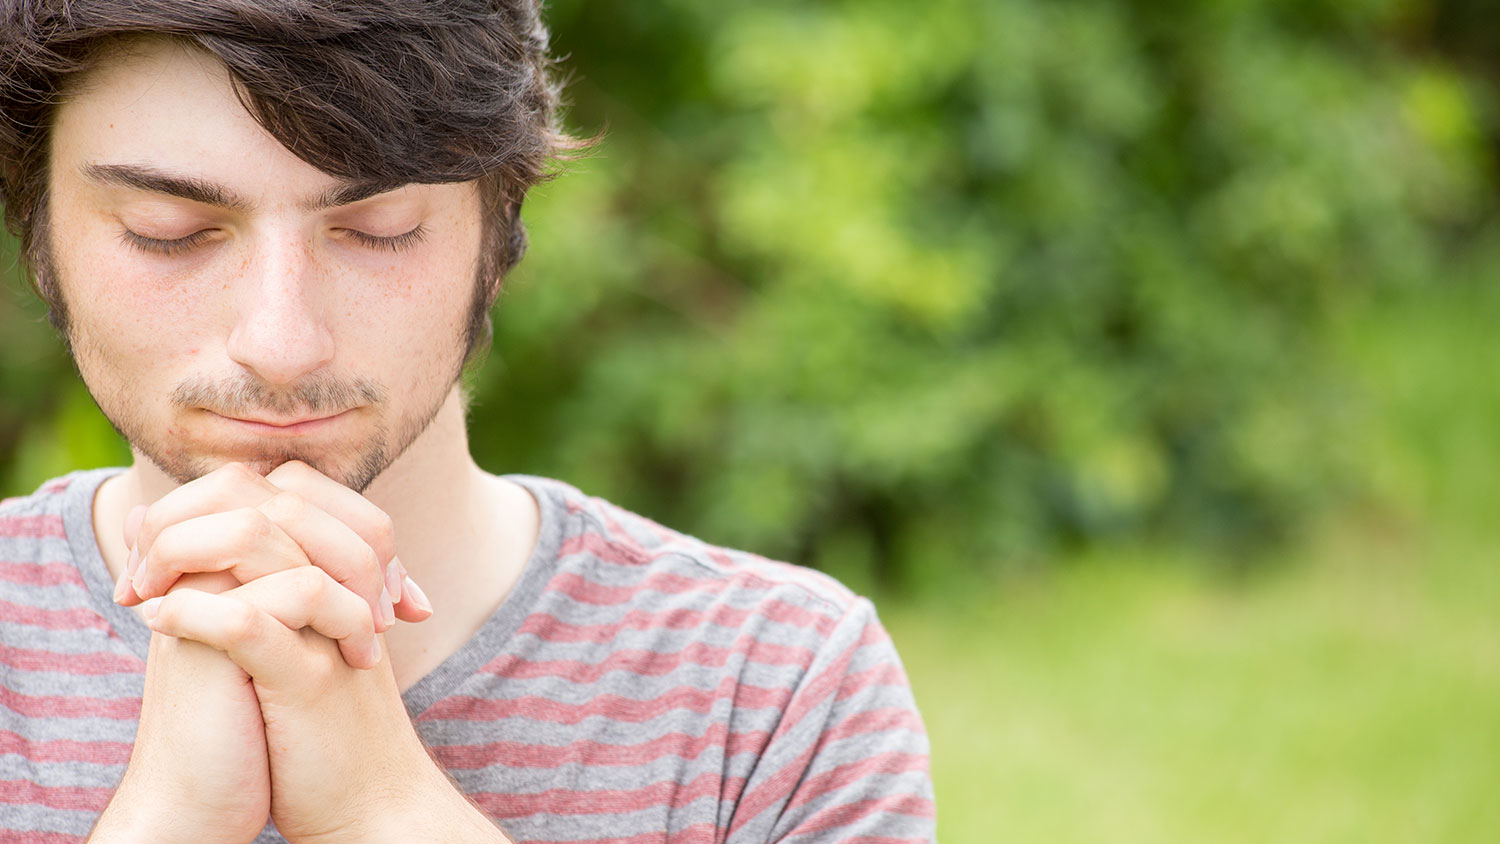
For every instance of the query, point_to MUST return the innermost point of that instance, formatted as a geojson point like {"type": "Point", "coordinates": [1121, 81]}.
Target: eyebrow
{"type": "Point", "coordinates": [145, 178]}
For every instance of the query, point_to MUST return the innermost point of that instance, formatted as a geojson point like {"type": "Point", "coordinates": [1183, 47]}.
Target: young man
{"type": "Point", "coordinates": [270, 234]}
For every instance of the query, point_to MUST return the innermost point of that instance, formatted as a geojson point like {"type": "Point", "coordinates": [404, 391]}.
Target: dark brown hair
{"type": "Point", "coordinates": [389, 92]}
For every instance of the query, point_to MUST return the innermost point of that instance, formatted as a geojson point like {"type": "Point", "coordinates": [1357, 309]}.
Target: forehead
{"type": "Point", "coordinates": [162, 103]}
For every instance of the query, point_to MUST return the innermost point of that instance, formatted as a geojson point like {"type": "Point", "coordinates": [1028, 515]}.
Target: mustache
{"type": "Point", "coordinates": [313, 395]}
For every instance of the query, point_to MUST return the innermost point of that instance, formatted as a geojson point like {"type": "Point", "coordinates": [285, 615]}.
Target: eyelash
{"type": "Point", "coordinates": [177, 246]}
{"type": "Point", "coordinates": [164, 247]}
{"type": "Point", "coordinates": [394, 243]}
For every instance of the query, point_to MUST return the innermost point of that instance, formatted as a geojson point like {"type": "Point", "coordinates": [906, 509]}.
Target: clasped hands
{"type": "Point", "coordinates": [267, 693]}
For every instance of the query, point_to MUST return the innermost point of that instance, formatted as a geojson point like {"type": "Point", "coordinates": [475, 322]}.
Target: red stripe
{"type": "Point", "coordinates": [25, 793]}
{"type": "Point", "coordinates": [873, 839]}
{"type": "Point", "coordinates": [873, 634]}
{"type": "Point", "coordinates": [874, 721]}
{"type": "Point", "coordinates": [26, 659]}
{"type": "Point", "coordinates": [586, 591]}
{"type": "Point", "coordinates": [844, 776]}
{"type": "Point", "coordinates": [698, 833]}
{"type": "Point", "coordinates": [56, 486]}
{"type": "Point", "coordinates": [66, 750]}
{"type": "Point", "coordinates": [627, 552]}
{"type": "Point", "coordinates": [624, 551]}
{"type": "Point", "coordinates": [596, 754]}
{"type": "Point", "coordinates": [884, 674]}
{"type": "Point", "coordinates": [47, 706]}
{"type": "Point", "coordinates": [77, 618]}
{"type": "Point", "coordinates": [563, 801]}
{"type": "Point", "coordinates": [646, 663]}
{"type": "Point", "coordinates": [549, 628]}
{"type": "Point", "coordinates": [10, 836]}
{"type": "Point", "coordinates": [848, 814]}
{"type": "Point", "coordinates": [41, 574]}
{"type": "Point", "coordinates": [613, 707]}
{"type": "Point", "coordinates": [32, 527]}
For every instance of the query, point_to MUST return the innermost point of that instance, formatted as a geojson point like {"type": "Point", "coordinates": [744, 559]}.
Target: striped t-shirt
{"type": "Point", "coordinates": [637, 685]}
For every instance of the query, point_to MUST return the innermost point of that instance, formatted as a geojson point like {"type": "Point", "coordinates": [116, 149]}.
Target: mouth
{"type": "Point", "coordinates": [285, 427]}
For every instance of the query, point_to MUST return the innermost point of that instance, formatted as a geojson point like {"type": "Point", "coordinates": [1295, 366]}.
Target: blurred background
{"type": "Point", "coordinates": [1136, 356]}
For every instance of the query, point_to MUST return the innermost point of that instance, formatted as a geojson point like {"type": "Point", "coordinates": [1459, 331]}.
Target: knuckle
{"type": "Point", "coordinates": [235, 473]}
{"type": "Point", "coordinates": [286, 506]}
{"type": "Point", "coordinates": [291, 470]}
{"type": "Point", "coordinates": [307, 585]}
{"type": "Point", "coordinates": [250, 526]}
{"type": "Point", "coordinates": [382, 536]}
{"type": "Point", "coordinates": [240, 622]}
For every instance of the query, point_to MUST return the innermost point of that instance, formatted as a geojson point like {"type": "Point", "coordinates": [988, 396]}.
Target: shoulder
{"type": "Point", "coordinates": [39, 536]}
{"type": "Point", "coordinates": [38, 515]}
{"type": "Point", "coordinates": [631, 550]}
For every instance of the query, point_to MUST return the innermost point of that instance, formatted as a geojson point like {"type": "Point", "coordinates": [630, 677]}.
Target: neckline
{"type": "Point", "coordinates": [478, 649]}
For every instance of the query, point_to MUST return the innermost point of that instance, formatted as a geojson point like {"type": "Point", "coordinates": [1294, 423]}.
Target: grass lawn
{"type": "Point", "coordinates": [1350, 695]}
{"type": "Point", "coordinates": [1349, 699]}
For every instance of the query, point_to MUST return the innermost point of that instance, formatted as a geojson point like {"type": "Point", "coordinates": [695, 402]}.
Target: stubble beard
{"type": "Point", "coordinates": [355, 464]}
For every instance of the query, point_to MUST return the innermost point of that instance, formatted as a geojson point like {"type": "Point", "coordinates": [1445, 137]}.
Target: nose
{"type": "Point", "coordinates": [280, 332]}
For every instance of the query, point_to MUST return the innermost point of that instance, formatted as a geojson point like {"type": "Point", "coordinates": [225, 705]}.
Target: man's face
{"type": "Point", "coordinates": [229, 302]}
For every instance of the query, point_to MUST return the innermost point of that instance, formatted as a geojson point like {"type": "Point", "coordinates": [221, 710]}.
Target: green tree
{"type": "Point", "coordinates": [917, 291]}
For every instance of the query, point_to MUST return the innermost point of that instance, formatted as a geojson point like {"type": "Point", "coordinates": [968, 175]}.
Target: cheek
{"type": "Point", "coordinates": [132, 315]}
{"type": "Point", "coordinates": [418, 314]}
{"type": "Point", "coordinates": [415, 327]}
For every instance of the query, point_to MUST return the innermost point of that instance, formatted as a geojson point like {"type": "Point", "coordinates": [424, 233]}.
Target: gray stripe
{"type": "Point", "coordinates": [32, 818]}
{"type": "Point", "coordinates": [34, 638]}
{"type": "Point", "coordinates": [69, 729]}
{"type": "Point", "coordinates": [64, 774]}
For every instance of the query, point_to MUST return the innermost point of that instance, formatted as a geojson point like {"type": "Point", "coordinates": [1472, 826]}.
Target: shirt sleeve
{"type": "Point", "coordinates": [848, 761]}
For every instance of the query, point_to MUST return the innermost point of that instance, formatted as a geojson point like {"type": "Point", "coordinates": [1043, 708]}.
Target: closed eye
{"type": "Point", "coordinates": [158, 246]}
{"type": "Point", "coordinates": [394, 243]}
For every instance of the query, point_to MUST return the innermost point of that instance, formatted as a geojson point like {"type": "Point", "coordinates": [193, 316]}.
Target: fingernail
{"type": "Point", "coordinates": [417, 595]}
{"type": "Point", "coordinates": [387, 610]}
{"type": "Point", "coordinates": [120, 586]}
{"type": "Point", "coordinates": [393, 576]}
{"type": "Point", "coordinates": [135, 560]}
{"type": "Point", "coordinates": [152, 607]}
{"type": "Point", "coordinates": [375, 651]}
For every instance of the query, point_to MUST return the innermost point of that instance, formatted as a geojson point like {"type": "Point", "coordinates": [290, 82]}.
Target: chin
{"type": "Point", "coordinates": [356, 470]}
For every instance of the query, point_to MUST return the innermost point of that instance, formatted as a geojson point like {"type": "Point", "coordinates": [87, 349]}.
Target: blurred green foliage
{"type": "Point", "coordinates": [916, 292]}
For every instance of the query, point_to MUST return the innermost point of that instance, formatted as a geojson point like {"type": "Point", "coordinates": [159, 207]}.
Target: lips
{"type": "Point", "coordinates": [274, 427]}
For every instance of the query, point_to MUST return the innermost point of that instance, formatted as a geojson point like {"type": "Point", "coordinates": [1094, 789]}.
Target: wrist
{"type": "Point", "coordinates": [134, 816]}
{"type": "Point", "coordinates": [432, 808]}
